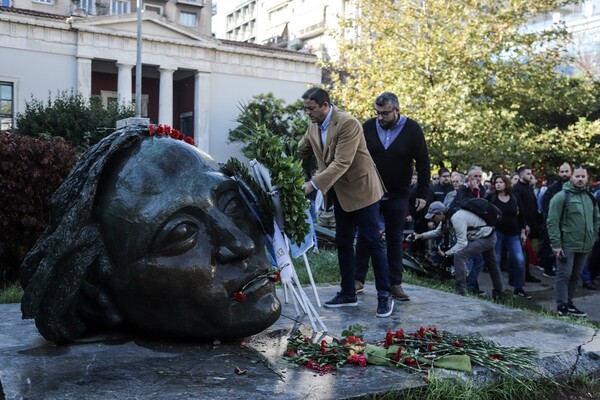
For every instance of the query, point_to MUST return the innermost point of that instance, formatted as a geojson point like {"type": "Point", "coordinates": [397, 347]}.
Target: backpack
{"type": "Point", "coordinates": [567, 200]}
{"type": "Point", "coordinates": [484, 210]}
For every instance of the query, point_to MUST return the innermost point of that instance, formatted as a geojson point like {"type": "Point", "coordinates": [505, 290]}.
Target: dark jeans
{"type": "Point", "coordinates": [512, 243]}
{"type": "Point", "coordinates": [474, 267]}
{"type": "Point", "coordinates": [545, 254]}
{"type": "Point", "coordinates": [394, 213]}
{"type": "Point", "coordinates": [366, 221]}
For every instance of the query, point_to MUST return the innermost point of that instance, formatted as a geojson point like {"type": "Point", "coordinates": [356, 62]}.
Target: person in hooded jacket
{"type": "Point", "coordinates": [573, 223]}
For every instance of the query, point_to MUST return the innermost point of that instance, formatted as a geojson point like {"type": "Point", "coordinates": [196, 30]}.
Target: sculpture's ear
{"type": "Point", "coordinates": [96, 307]}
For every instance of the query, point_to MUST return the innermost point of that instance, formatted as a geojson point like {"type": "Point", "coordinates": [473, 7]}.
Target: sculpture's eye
{"type": "Point", "coordinates": [177, 236]}
{"type": "Point", "coordinates": [231, 204]}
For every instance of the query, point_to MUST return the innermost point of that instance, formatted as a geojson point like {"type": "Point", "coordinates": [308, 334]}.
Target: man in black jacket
{"type": "Point", "coordinates": [533, 219]}
{"type": "Point", "coordinates": [395, 142]}
{"type": "Point", "coordinates": [439, 191]}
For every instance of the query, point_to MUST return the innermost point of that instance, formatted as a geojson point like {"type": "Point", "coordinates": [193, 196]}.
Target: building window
{"type": "Point", "coordinates": [187, 18]}
{"type": "Point", "coordinates": [88, 6]}
{"type": "Point", "coordinates": [120, 7]}
{"type": "Point", "coordinates": [6, 105]}
{"type": "Point", "coordinates": [44, 1]}
{"type": "Point", "coordinates": [153, 8]}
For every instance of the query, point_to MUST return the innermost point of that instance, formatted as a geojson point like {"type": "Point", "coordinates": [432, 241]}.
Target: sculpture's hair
{"type": "Point", "coordinates": [55, 271]}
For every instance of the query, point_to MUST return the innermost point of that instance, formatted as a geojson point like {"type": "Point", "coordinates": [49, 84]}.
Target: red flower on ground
{"type": "Point", "coordinates": [239, 296]}
{"type": "Point", "coordinates": [389, 339]}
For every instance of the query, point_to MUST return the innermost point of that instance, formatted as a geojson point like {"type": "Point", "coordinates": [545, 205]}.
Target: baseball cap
{"type": "Point", "coordinates": [434, 208]}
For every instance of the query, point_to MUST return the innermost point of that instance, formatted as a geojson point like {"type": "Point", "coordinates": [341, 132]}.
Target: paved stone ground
{"type": "Point", "coordinates": [127, 366]}
{"type": "Point", "coordinates": [543, 294]}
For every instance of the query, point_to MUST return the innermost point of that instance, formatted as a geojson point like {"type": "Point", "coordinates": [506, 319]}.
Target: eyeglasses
{"type": "Point", "coordinates": [383, 113]}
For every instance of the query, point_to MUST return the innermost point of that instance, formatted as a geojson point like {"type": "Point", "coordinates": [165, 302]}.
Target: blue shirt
{"type": "Point", "coordinates": [387, 136]}
{"type": "Point", "coordinates": [325, 125]}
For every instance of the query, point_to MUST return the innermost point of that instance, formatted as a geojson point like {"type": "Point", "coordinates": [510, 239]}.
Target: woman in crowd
{"type": "Point", "coordinates": [510, 230]}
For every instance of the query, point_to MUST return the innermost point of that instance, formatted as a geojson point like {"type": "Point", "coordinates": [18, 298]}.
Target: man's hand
{"type": "Point", "coordinates": [413, 236]}
{"type": "Point", "coordinates": [420, 204]}
{"type": "Point", "coordinates": [557, 251]}
{"type": "Point", "coordinates": [308, 188]}
{"type": "Point", "coordinates": [441, 252]}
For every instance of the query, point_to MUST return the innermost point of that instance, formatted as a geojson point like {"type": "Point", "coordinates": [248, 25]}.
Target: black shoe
{"type": "Point", "coordinates": [477, 292]}
{"type": "Point", "coordinates": [532, 279]}
{"type": "Point", "coordinates": [341, 300]}
{"type": "Point", "coordinates": [497, 296]}
{"type": "Point", "coordinates": [549, 274]}
{"type": "Point", "coordinates": [522, 293]}
{"type": "Point", "coordinates": [589, 285]}
{"type": "Point", "coordinates": [575, 312]}
{"type": "Point", "coordinates": [385, 306]}
{"type": "Point", "coordinates": [562, 311]}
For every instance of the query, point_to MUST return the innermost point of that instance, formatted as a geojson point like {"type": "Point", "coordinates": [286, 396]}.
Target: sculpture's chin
{"type": "Point", "coordinates": [258, 311]}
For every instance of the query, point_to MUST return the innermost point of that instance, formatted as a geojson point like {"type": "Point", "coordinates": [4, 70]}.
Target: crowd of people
{"type": "Point", "coordinates": [378, 176]}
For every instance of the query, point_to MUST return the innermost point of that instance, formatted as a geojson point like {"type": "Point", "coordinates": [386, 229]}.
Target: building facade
{"type": "Point", "coordinates": [190, 81]}
{"type": "Point", "coordinates": [300, 25]}
{"type": "Point", "coordinates": [582, 20]}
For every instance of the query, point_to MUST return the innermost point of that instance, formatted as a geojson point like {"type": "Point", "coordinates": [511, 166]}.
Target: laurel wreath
{"type": "Point", "coordinates": [286, 176]}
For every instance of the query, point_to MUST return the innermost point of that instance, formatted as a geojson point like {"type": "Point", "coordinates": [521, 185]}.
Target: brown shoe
{"type": "Point", "coordinates": [359, 286]}
{"type": "Point", "coordinates": [399, 294]}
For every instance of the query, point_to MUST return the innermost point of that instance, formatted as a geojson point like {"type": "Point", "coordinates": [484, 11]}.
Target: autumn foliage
{"type": "Point", "coordinates": [30, 171]}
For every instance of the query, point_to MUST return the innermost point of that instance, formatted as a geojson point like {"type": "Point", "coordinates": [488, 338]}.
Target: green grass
{"type": "Point", "coordinates": [581, 387]}
{"type": "Point", "coordinates": [12, 294]}
{"type": "Point", "coordinates": [324, 267]}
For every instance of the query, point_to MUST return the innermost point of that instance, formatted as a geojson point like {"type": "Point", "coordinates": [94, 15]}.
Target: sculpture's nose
{"type": "Point", "coordinates": [230, 242]}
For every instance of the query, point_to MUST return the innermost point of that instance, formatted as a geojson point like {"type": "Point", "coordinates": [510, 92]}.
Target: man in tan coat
{"type": "Point", "coordinates": [349, 181]}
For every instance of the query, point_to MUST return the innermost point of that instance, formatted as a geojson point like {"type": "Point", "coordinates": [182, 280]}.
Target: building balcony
{"type": "Point", "coordinates": [312, 30]}
{"type": "Point", "coordinates": [279, 41]}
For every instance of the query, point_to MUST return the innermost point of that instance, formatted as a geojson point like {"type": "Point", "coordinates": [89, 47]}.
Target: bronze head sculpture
{"type": "Point", "coordinates": [146, 232]}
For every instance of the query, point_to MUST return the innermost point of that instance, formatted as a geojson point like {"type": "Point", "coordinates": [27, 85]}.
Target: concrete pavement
{"type": "Point", "coordinates": [118, 365]}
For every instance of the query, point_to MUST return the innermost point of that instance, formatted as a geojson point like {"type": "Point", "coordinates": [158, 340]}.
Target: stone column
{"type": "Point", "coordinates": [201, 108]}
{"type": "Point", "coordinates": [84, 76]}
{"type": "Point", "coordinates": [165, 98]}
{"type": "Point", "coordinates": [124, 89]}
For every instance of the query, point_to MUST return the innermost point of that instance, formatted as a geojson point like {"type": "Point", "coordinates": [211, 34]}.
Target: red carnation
{"type": "Point", "coordinates": [275, 276]}
{"type": "Point", "coordinates": [189, 140]}
{"type": "Point", "coordinates": [239, 296]}
{"type": "Point", "coordinates": [389, 339]}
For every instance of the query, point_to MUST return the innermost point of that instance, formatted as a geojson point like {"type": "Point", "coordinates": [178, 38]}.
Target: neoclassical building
{"type": "Point", "coordinates": [190, 80]}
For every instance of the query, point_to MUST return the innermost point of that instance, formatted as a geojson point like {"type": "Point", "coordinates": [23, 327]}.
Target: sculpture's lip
{"type": "Point", "coordinates": [252, 287]}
